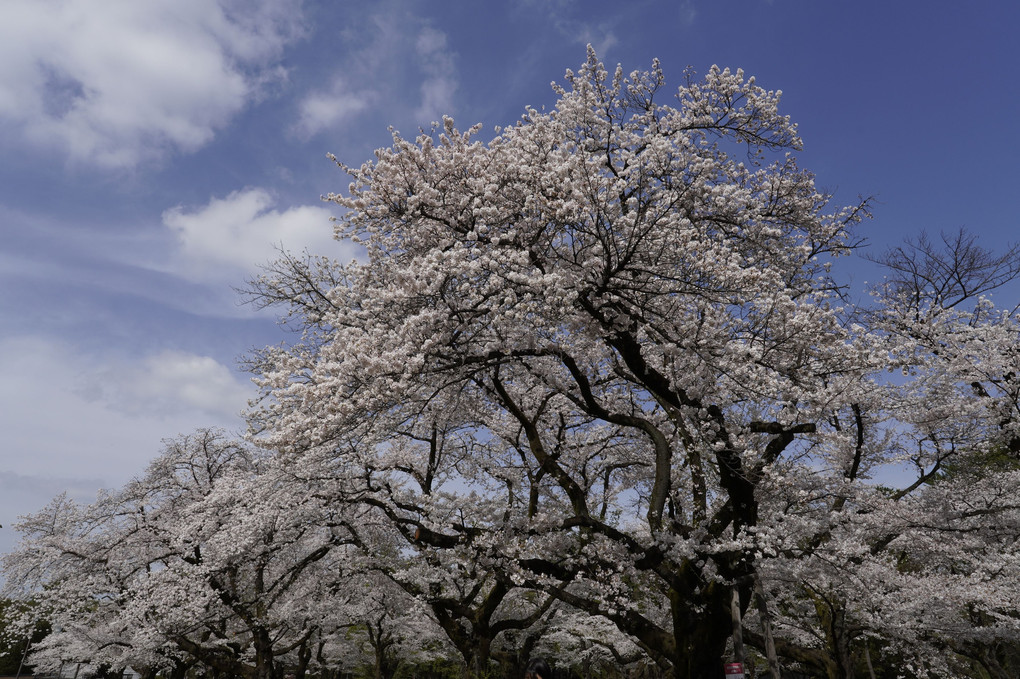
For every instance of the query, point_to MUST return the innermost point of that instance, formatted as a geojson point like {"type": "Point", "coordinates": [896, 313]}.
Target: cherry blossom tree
{"type": "Point", "coordinates": [624, 308]}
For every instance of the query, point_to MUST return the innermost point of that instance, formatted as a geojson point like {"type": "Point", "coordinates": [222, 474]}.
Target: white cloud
{"type": "Point", "coordinates": [72, 415]}
{"type": "Point", "coordinates": [62, 403]}
{"type": "Point", "coordinates": [120, 82]}
{"type": "Point", "coordinates": [166, 384]}
{"type": "Point", "coordinates": [234, 235]}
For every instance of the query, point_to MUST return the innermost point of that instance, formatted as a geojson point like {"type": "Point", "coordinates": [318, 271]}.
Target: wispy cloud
{"type": "Point", "coordinates": [689, 13]}
{"type": "Point", "coordinates": [437, 65]}
{"type": "Point", "coordinates": [332, 107]}
{"type": "Point", "coordinates": [572, 20]}
{"type": "Point", "coordinates": [118, 83]}
{"type": "Point", "coordinates": [393, 61]}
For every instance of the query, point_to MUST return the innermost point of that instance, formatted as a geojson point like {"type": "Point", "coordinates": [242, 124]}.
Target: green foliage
{"type": "Point", "coordinates": [433, 669]}
{"type": "Point", "coordinates": [12, 645]}
{"type": "Point", "coordinates": [980, 464]}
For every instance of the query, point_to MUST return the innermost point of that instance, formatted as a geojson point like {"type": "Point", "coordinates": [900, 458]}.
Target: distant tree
{"type": "Point", "coordinates": [192, 563]}
{"type": "Point", "coordinates": [926, 276]}
{"type": "Point", "coordinates": [919, 572]}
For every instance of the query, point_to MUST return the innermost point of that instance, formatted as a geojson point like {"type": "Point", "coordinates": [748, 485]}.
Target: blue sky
{"type": "Point", "coordinates": [155, 151]}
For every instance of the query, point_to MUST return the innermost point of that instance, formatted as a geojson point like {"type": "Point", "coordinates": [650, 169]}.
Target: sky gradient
{"type": "Point", "coordinates": [155, 152]}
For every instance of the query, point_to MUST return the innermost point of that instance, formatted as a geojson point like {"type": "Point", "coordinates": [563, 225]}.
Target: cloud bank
{"type": "Point", "coordinates": [79, 422]}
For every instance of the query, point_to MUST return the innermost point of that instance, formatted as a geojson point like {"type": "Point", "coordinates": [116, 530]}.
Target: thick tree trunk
{"type": "Point", "coordinates": [701, 637]}
{"type": "Point", "coordinates": [382, 641]}
{"type": "Point", "coordinates": [477, 657]}
{"type": "Point", "coordinates": [380, 662]}
{"type": "Point", "coordinates": [264, 668]}
{"type": "Point", "coordinates": [304, 659]}
{"type": "Point", "coordinates": [839, 638]}
{"type": "Point", "coordinates": [700, 656]}
{"type": "Point", "coordinates": [482, 656]}
{"type": "Point", "coordinates": [845, 666]}
{"type": "Point", "coordinates": [766, 629]}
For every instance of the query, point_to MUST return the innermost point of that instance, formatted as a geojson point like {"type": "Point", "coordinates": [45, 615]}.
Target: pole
{"type": "Point", "coordinates": [28, 642]}
{"type": "Point", "coordinates": [738, 630]}
{"type": "Point", "coordinates": [867, 657]}
{"type": "Point", "coordinates": [766, 625]}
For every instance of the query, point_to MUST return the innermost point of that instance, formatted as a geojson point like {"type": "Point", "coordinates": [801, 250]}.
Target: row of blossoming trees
{"type": "Point", "coordinates": [593, 389]}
